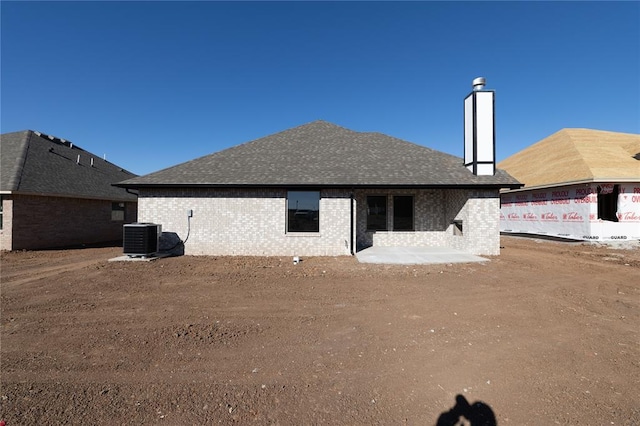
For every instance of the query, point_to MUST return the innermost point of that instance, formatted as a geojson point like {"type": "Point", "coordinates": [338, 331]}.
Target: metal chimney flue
{"type": "Point", "coordinates": [479, 83]}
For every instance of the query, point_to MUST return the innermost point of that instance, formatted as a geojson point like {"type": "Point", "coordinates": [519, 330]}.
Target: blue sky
{"type": "Point", "coordinates": [154, 84]}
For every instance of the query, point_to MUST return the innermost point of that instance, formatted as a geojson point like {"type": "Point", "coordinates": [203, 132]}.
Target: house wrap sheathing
{"type": "Point", "coordinates": [579, 183]}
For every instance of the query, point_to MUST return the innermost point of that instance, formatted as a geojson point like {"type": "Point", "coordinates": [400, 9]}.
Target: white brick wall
{"type": "Point", "coordinates": [253, 222]}
{"type": "Point", "coordinates": [480, 215]}
{"type": "Point", "coordinates": [434, 213]}
{"type": "Point", "coordinates": [246, 222]}
{"type": "Point", "coordinates": [6, 235]}
{"type": "Point", "coordinates": [429, 220]}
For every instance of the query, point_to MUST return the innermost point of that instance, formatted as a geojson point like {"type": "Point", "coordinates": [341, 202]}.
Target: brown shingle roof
{"type": "Point", "coordinates": [323, 154]}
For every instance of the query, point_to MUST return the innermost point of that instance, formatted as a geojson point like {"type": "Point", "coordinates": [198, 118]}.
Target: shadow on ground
{"type": "Point", "coordinates": [477, 414]}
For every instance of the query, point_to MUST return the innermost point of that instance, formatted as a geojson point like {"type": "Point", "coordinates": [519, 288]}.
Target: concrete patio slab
{"type": "Point", "coordinates": [416, 255]}
{"type": "Point", "coordinates": [126, 258]}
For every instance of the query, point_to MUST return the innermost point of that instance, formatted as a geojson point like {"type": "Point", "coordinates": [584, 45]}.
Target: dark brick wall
{"type": "Point", "coordinates": [39, 222]}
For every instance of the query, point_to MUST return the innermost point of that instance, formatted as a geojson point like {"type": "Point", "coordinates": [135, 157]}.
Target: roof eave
{"type": "Point", "coordinates": [321, 185]}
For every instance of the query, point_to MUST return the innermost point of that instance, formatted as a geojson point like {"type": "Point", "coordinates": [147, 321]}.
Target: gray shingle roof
{"type": "Point", "coordinates": [33, 163]}
{"type": "Point", "coordinates": [323, 154]}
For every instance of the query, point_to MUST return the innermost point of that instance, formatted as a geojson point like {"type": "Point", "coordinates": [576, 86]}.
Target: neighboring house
{"type": "Point", "coordinates": [321, 189]}
{"type": "Point", "coordinates": [579, 184]}
{"type": "Point", "coordinates": [55, 194]}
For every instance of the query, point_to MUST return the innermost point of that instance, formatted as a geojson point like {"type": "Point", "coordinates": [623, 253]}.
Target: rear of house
{"type": "Point", "coordinates": [321, 189]}
{"type": "Point", "coordinates": [55, 194]}
{"type": "Point", "coordinates": [334, 221]}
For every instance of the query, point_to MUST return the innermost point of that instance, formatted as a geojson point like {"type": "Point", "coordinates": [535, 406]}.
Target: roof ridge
{"type": "Point", "coordinates": [403, 140]}
{"type": "Point", "coordinates": [588, 129]}
{"type": "Point", "coordinates": [16, 179]}
{"type": "Point", "coordinates": [575, 146]}
{"type": "Point", "coordinates": [320, 121]}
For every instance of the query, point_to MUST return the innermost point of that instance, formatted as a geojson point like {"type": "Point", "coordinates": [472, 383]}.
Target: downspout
{"type": "Point", "coordinates": [352, 224]}
{"type": "Point", "coordinates": [137, 199]}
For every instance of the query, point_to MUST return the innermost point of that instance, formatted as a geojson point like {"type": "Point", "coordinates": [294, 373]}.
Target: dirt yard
{"type": "Point", "coordinates": [546, 333]}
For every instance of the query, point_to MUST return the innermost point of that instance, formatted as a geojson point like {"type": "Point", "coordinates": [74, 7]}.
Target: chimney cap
{"type": "Point", "coordinates": [479, 83]}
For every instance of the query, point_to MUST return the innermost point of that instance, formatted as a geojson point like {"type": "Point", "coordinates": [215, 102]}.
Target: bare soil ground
{"type": "Point", "coordinates": [546, 333]}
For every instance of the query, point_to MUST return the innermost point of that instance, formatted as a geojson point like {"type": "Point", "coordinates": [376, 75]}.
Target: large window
{"type": "Point", "coordinates": [376, 213]}
{"type": "Point", "coordinates": [403, 213]}
{"type": "Point", "coordinates": [303, 211]}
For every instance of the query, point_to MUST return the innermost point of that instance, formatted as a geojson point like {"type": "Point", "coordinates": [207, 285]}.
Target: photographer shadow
{"type": "Point", "coordinates": [476, 414]}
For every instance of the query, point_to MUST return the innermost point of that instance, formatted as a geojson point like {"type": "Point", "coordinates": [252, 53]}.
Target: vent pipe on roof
{"type": "Point", "coordinates": [78, 160]}
{"type": "Point", "coordinates": [479, 129]}
{"type": "Point", "coordinates": [479, 83]}
{"type": "Point", "coordinates": [91, 161]}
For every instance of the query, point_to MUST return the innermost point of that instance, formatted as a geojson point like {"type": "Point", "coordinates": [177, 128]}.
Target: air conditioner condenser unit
{"type": "Point", "coordinates": [141, 239]}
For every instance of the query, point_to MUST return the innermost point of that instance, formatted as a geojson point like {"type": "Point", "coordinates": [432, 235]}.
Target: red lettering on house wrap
{"type": "Point", "coordinates": [549, 217]}
{"type": "Point", "coordinates": [583, 192]}
{"type": "Point", "coordinates": [629, 217]}
{"type": "Point", "coordinates": [513, 216]}
{"type": "Point", "coordinates": [636, 190]}
{"type": "Point", "coordinates": [635, 198]}
{"type": "Point", "coordinates": [529, 216]}
{"type": "Point", "coordinates": [572, 217]}
{"type": "Point", "coordinates": [586, 200]}
{"type": "Point", "coordinates": [559, 194]}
